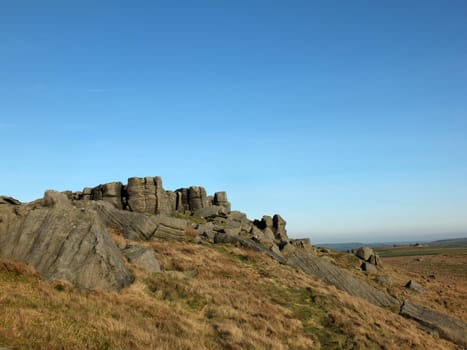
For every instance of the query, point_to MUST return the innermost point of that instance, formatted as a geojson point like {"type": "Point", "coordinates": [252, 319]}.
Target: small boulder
{"type": "Point", "coordinates": [417, 287]}
{"type": "Point", "coordinates": [384, 280]}
{"type": "Point", "coordinates": [143, 257]}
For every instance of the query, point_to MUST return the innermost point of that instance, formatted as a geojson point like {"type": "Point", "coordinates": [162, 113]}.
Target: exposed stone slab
{"type": "Point", "coordinates": [314, 265]}
{"type": "Point", "coordinates": [64, 242]}
{"type": "Point", "coordinates": [448, 327]}
{"type": "Point", "coordinates": [139, 226]}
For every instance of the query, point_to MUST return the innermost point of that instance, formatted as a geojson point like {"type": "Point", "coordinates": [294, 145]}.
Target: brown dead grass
{"type": "Point", "coordinates": [444, 278]}
{"type": "Point", "coordinates": [209, 297]}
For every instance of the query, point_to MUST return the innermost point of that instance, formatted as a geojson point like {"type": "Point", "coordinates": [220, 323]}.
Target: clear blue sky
{"type": "Point", "coordinates": [349, 118]}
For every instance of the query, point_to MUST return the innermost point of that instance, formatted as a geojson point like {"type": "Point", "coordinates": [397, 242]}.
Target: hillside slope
{"type": "Point", "coordinates": [136, 266]}
{"type": "Point", "coordinates": [210, 297]}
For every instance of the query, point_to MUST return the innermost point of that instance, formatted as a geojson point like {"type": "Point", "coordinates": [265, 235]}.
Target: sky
{"type": "Point", "coordinates": [348, 118]}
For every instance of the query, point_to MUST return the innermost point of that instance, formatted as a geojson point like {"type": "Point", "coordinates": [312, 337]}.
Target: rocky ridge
{"type": "Point", "coordinates": [66, 236]}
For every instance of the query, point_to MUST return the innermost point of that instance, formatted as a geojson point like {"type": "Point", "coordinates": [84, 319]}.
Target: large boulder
{"type": "Point", "coordinates": [139, 196]}
{"type": "Point", "coordinates": [368, 256]}
{"type": "Point", "coordinates": [112, 193]}
{"type": "Point", "coordinates": [220, 199]}
{"type": "Point", "coordinates": [147, 195]}
{"type": "Point", "coordinates": [196, 198]}
{"type": "Point", "coordinates": [278, 225]}
{"type": "Point", "coordinates": [365, 253]}
{"type": "Point", "coordinates": [64, 242]}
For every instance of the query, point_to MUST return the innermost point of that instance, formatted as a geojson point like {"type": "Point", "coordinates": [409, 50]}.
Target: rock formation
{"type": "Point", "coordinates": [67, 236]}
{"type": "Point", "coordinates": [446, 326]}
{"type": "Point", "coordinates": [369, 259]}
{"type": "Point", "coordinates": [62, 242]}
{"type": "Point", "coordinates": [147, 195]}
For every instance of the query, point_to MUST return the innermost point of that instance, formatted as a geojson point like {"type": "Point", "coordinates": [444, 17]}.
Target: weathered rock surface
{"type": "Point", "coordinates": [384, 280]}
{"type": "Point", "coordinates": [368, 257]}
{"type": "Point", "coordinates": [143, 257]}
{"type": "Point", "coordinates": [110, 192]}
{"type": "Point", "coordinates": [64, 242]}
{"type": "Point", "coordinates": [415, 286]}
{"type": "Point", "coordinates": [278, 226]}
{"type": "Point", "coordinates": [220, 199]}
{"type": "Point", "coordinates": [368, 267]}
{"type": "Point", "coordinates": [9, 200]}
{"type": "Point", "coordinates": [138, 226]}
{"type": "Point", "coordinates": [64, 234]}
{"type": "Point", "coordinates": [314, 265]}
{"type": "Point", "coordinates": [249, 244]}
{"type": "Point", "coordinates": [448, 327]}
{"type": "Point", "coordinates": [147, 195]}
{"type": "Point", "coordinates": [214, 210]}
{"type": "Point", "coordinates": [364, 253]}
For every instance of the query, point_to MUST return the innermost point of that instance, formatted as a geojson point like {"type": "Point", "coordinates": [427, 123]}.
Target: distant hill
{"type": "Point", "coordinates": [355, 245]}
{"type": "Point", "coordinates": [454, 242]}
{"type": "Point", "coordinates": [341, 246]}
{"type": "Point", "coordinates": [457, 242]}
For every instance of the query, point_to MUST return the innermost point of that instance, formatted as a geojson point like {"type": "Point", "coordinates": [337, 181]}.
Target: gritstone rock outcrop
{"type": "Point", "coordinates": [147, 195]}
{"type": "Point", "coordinates": [67, 236]}
{"type": "Point", "coordinates": [370, 261]}
{"type": "Point", "coordinates": [62, 242]}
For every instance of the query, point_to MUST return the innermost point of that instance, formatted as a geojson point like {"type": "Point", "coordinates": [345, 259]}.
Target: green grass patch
{"type": "Point", "coordinates": [411, 251]}
{"type": "Point", "coordinates": [175, 289]}
{"type": "Point", "coordinates": [242, 258]}
{"type": "Point", "coordinates": [192, 218]}
{"type": "Point", "coordinates": [312, 309]}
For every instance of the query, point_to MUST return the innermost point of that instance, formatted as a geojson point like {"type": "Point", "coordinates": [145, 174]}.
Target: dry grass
{"type": "Point", "coordinates": [210, 297]}
{"type": "Point", "coordinates": [443, 276]}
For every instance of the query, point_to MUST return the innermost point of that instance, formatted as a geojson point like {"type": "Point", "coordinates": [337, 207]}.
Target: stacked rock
{"type": "Point", "coordinates": [370, 260]}
{"type": "Point", "coordinates": [147, 195]}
